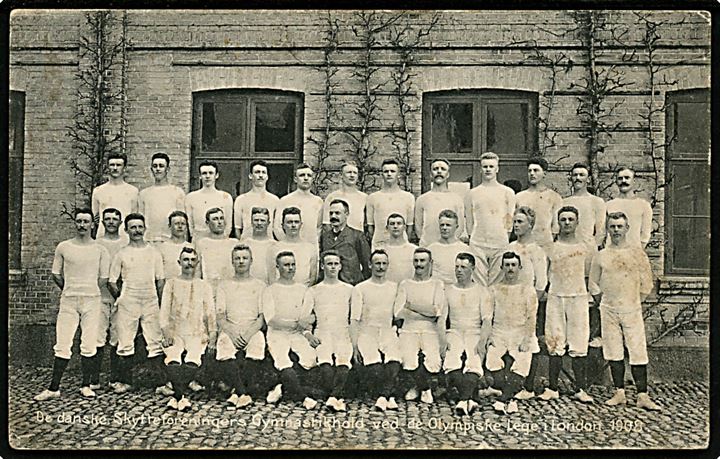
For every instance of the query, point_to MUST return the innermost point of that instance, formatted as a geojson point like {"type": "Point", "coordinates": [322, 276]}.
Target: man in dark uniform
{"type": "Point", "coordinates": [348, 242]}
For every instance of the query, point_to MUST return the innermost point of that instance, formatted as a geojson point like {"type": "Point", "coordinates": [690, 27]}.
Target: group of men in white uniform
{"type": "Point", "coordinates": [300, 281]}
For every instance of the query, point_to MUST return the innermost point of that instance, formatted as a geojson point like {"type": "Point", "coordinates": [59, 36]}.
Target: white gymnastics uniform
{"type": "Point", "coordinates": [400, 261]}
{"type": "Point", "coordinates": [282, 308]}
{"type": "Point", "coordinates": [239, 302]}
{"type": "Point", "coordinates": [331, 305]}
{"type": "Point", "coordinates": [546, 204]}
{"type": "Point", "coordinates": [243, 211]}
{"type": "Point", "coordinates": [216, 259]}
{"type": "Point", "coordinates": [156, 203]}
{"type": "Point", "coordinates": [198, 202]}
{"type": "Point", "coordinates": [187, 312]}
{"type": "Point", "coordinates": [639, 214]}
{"type": "Point", "coordinates": [139, 267]}
{"type": "Point", "coordinates": [310, 212]}
{"type": "Point", "coordinates": [170, 252]}
{"type": "Point", "coordinates": [306, 261]}
{"type": "Point", "coordinates": [260, 269]}
{"type": "Point", "coordinates": [123, 197]}
{"type": "Point", "coordinates": [109, 309]}
{"type": "Point", "coordinates": [80, 265]}
{"type": "Point", "coordinates": [514, 316]}
{"type": "Point", "coordinates": [383, 203]}
{"type": "Point", "coordinates": [427, 210]}
{"type": "Point", "coordinates": [591, 219]}
{"type": "Point", "coordinates": [444, 256]}
{"type": "Point", "coordinates": [468, 309]}
{"type": "Point", "coordinates": [623, 276]}
{"type": "Point", "coordinates": [372, 306]}
{"type": "Point", "coordinates": [418, 333]}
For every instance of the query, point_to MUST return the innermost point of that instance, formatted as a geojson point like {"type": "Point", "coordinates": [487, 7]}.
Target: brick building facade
{"type": "Point", "coordinates": [233, 86]}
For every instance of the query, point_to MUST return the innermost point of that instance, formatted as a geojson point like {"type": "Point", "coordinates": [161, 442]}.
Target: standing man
{"type": "Point", "coordinates": [398, 249]}
{"type": "Point", "coordinates": [215, 250]}
{"type": "Point", "coordinates": [544, 201]}
{"type": "Point", "coordinates": [390, 199]}
{"type": "Point", "coordinates": [637, 210]}
{"type": "Point", "coordinates": [591, 209]}
{"type": "Point", "coordinates": [488, 211]}
{"type": "Point", "coordinates": [469, 310]}
{"type": "Point", "coordinates": [567, 317]}
{"type": "Point", "coordinates": [158, 201]}
{"type": "Point", "coordinates": [188, 325]}
{"type": "Point", "coordinates": [349, 243]}
{"type": "Point", "coordinates": [258, 196]}
{"type": "Point", "coordinates": [199, 201]}
{"type": "Point", "coordinates": [115, 193]}
{"type": "Point", "coordinates": [141, 268]}
{"type": "Point", "coordinates": [309, 204]}
{"type": "Point", "coordinates": [620, 280]}
{"type": "Point", "coordinates": [419, 304]}
{"type": "Point", "coordinates": [534, 273]}
{"type": "Point", "coordinates": [513, 332]}
{"type": "Point", "coordinates": [329, 302]}
{"type": "Point", "coordinates": [113, 241]}
{"type": "Point", "coordinates": [80, 269]}
{"type": "Point", "coordinates": [349, 193]}
{"type": "Point", "coordinates": [261, 244]}
{"type": "Point", "coordinates": [446, 250]}
{"type": "Point", "coordinates": [241, 343]}
{"type": "Point", "coordinates": [430, 204]}
{"type": "Point", "coordinates": [375, 339]}
{"type": "Point", "coordinates": [289, 331]}
{"type": "Point", "coordinates": [170, 248]}
{"type": "Point", "coordinates": [305, 253]}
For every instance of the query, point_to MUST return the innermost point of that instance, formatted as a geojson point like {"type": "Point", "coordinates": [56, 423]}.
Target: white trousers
{"type": "Point", "coordinates": [79, 310]}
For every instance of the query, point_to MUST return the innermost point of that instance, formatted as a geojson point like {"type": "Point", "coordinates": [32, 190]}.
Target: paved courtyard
{"type": "Point", "coordinates": [140, 420]}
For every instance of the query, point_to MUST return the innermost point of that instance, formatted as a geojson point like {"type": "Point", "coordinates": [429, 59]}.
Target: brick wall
{"type": "Point", "coordinates": [175, 54]}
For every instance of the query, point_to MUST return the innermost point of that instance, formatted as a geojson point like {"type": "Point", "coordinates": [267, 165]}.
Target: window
{"type": "Point", "coordinates": [16, 144]}
{"type": "Point", "coordinates": [687, 174]}
{"type": "Point", "coordinates": [234, 127]}
{"type": "Point", "coordinates": [462, 125]}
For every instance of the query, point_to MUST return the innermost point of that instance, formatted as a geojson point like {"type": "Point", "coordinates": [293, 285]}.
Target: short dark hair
{"type": "Point", "coordinates": [259, 210]}
{"type": "Point", "coordinates": [509, 256]}
{"type": "Point", "coordinates": [448, 213]}
{"type": "Point", "coordinates": [569, 209]}
{"type": "Point", "coordinates": [111, 210]}
{"type": "Point", "coordinates": [304, 166]}
{"type": "Point", "coordinates": [434, 160]}
{"type": "Point", "coordinates": [466, 256]}
{"type": "Point", "coordinates": [343, 202]}
{"type": "Point", "coordinates": [258, 162]}
{"type": "Point", "coordinates": [329, 253]}
{"type": "Point", "coordinates": [240, 247]}
{"type": "Point", "coordinates": [83, 210]}
{"type": "Point", "coordinates": [187, 249]}
{"type": "Point", "coordinates": [134, 216]}
{"type": "Point", "coordinates": [378, 252]}
{"type": "Point", "coordinates": [423, 250]}
{"type": "Point", "coordinates": [538, 161]}
{"type": "Point", "coordinates": [617, 216]}
{"type": "Point", "coordinates": [513, 184]}
{"type": "Point", "coordinates": [117, 155]}
{"type": "Point", "coordinates": [394, 215]}
{"type": "Point", "coordinates": [212, 164]}
{"type": "Point", "coordinates": [177, 213]}
{"type": "Point", "coordinates": [580, 166]}
{"type": "Point", "coordinates": [389, 161]}
{"type": "Point", "coordinates": [292, 210]}
{"type": "Point", "coordinates": [160, 155]}
{"type": "Point", "coordinates": [213, 210]}
{"type": "Point", "coordinates": [284, 253]}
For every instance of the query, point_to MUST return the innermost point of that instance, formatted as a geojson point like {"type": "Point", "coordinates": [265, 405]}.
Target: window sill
{"type": "Point", "coordinates": [691, 282]}
{"type": "Point", "coordinates": [17, 277]}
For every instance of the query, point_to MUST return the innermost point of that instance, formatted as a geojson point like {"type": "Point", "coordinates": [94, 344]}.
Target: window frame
{"type": "Point", "coordinates": [481, 99]}
{"type": "Point", "coordinates": [16, 153]}
{"type": "Point", "coordinates": [672, 159]}
{"type": "Point", "coordinates": [249, 98]}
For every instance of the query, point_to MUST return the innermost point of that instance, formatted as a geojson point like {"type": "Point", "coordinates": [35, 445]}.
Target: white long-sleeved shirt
{"type": "Point", "coordinates": [639, 214]}
{"type": "Point", "coordinates": [622, 275]}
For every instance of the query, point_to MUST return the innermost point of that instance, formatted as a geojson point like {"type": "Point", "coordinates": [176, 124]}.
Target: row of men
{"type": "Point", "coordinates": [313, 322]}
{"type": "Point", "coordinates": [484, 214]}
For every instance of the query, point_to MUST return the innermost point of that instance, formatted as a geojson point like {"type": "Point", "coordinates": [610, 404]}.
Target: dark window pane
{"type": "Point", "coordinates": [692, 127]}
{"type": "Point", "coordinates": [691, 243]}
{"type": "Point", "coordinates": [461, 172]}
{"type": "Point", "coordinates": [16, 133]}
{"type": "Point", "coordinates": [689, 184]}
{"type": "Point", "coordinates": [222, 126]}
{"type": "Point", "coordinates": [452, 128]}
{"type": "Point", "coordinates": [274, 126]}
{"type": "Point", "coordinates": [506, 128]}
{"type": "Point", "coordinates": [513, 175]}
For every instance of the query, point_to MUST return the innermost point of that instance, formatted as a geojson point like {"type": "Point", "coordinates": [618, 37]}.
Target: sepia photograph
{"type": "Point", "coordinates": [359, 229]}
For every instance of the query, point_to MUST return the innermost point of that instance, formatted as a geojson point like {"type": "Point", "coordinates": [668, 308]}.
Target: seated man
{"type": "Point", "coordinates": [375, 340]}
{"type": "Point", "coordinates": [329, 302]}
{"type": "Point", "coordinates": [188, 325]}
{"type": "Point", "coordinates": [419, 304]}
{"type": "Point", "coordinates": [288, 331]}
{"type": "Point", "coordinates": [513, 332]}
{"type": "Point", "coordinates": [469, 312]}
{"type": "Point", "coordinates": [241, 343]}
